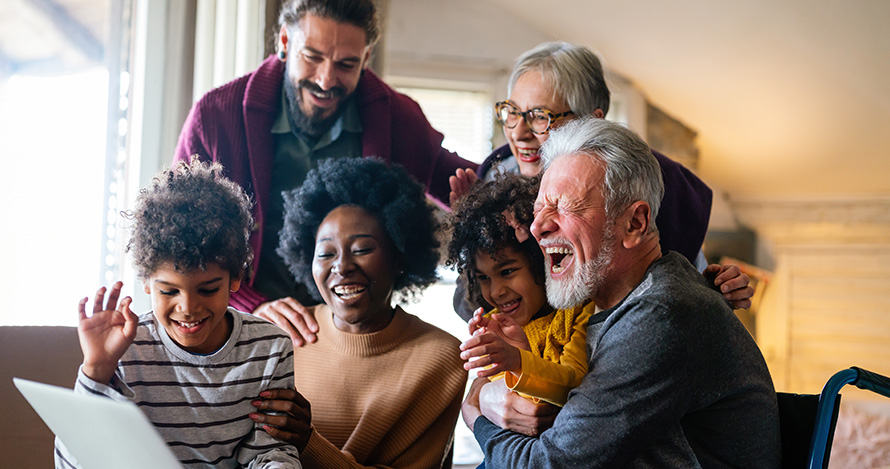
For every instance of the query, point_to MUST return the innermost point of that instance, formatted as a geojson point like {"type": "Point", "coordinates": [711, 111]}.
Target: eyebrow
{"type": "Point", "coordinates": [318, 52]}
{"type": "Point", "coordinates": [169, 284]}
{"type": "Point", "coordinates": [499, 265]}
{"type": "Point", "coordinates": [352, 237]}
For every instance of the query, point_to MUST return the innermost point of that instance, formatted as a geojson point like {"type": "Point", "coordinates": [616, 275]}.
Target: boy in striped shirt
{"type": "Point", "coordinates": [193, 365]}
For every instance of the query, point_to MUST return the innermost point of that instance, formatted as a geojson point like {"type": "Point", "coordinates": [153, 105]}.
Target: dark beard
{"type": "Point", "coordinates": [311, 125]}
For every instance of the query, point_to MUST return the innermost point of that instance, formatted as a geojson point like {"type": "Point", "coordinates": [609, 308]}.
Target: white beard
{"type": "Point", "coordinates": [586, 279]}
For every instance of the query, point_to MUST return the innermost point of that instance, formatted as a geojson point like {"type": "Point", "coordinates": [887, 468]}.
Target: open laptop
{"type": "Point", "coordinates": [98, 431]}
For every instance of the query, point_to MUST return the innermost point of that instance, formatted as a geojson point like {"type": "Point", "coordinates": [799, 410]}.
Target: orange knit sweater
{"type": "Point", "coordinates": [386, 399]}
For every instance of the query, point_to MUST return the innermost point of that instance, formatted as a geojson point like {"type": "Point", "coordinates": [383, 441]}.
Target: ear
{"type": "Point", "coordinates": [234, 284]}
{"type": "Point", "coordinates": [146, 287]}
{"type": "Point", "coordinates": [282, 37]}
{"type": "Point", "coordinates": [636, 226]}
{"type": "Point", "coordinates": [366, 60]}
{"type": "Point", "coordinates": [598, 113]}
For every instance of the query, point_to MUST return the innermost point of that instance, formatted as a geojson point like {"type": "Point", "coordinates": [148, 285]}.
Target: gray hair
{"type": "Point", "coordinates": [574, 72]}
{"type": "Point", "coordinates": [632, 172]}
{"type": "Point", "coordinates": [361, 13]}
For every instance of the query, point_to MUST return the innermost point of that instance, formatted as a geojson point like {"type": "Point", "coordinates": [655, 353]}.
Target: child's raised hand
{"type": "Point", "coordinates": [489, 350]}
{"type": "Point", "coordinates": [509, 330]}
{"type": "Point", "coordinates": [478, 321]}
{"type": "Point", "coordinates": [106, 334]}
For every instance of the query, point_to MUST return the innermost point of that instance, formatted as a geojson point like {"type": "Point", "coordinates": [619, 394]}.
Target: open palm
{"type": "Point", "coordinates": [106, 334]}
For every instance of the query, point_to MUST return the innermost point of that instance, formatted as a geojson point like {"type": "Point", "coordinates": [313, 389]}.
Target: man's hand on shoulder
{"type": "Point", "coordinates": [292, 317]}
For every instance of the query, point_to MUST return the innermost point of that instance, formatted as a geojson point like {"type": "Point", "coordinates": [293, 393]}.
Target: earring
{"type": "Point", "coordinates": [282, 55]}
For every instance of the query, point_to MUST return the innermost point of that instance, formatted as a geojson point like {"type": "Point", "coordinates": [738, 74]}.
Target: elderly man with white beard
{"type": "Point", "coordinates": [674, 378]}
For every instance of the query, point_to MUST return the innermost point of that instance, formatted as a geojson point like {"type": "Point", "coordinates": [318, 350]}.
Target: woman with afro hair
{"type": "Point", "coordinates": [384, 387]}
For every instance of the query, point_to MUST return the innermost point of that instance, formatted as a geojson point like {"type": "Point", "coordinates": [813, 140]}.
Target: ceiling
{"type": "Point", "coordinates": [789, 98]}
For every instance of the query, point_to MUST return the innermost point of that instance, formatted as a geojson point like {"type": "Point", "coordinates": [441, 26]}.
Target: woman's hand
{"type": "Point", "coordinates": [730, 281]}
{"type": "Point", "coordinates": [286, 415]}
{"type": "Point", "coordinates": [106, 334]}
{"type": "Point", "coordinates": [291, 317]}
{"type": "Point", "coordinates": [460, 184]}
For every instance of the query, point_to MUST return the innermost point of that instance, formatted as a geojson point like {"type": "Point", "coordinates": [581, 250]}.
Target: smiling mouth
{"type": "Point", "coordinates": [189, 325]}
{"type": "Point", "coordinates": [510, 306]}
{"type": "Point", "coordinates": [348, 292]}
{"type": "Point", "coordinates": [529, 155]}
{"type": "Point", "coordinates": [560, 258]}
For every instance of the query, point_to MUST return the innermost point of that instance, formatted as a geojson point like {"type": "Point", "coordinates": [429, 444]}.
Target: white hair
{"type": "Point", "coordinates": [632, 172]}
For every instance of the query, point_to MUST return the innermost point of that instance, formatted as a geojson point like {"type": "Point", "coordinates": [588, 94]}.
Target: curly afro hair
{"type": "Point", "coordinates": [478, 224]}
{"type": "Point", "coordinates": [191, 216]}
{"type": "Point", "coordinates": [389, 193]}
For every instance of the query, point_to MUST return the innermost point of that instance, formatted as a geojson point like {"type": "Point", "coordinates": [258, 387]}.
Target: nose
{"type": "Point", "coordinates": [343, 265]}
{"type": "Point", "coordinates": [543, 225]}
{"type": "Point", "coordinates": [324, 75]}
{"type": "Point", "coordinates": [522, 131]}
{"type": "Point", "coordinates": [187, 304]}
{"type": "Point", "coordinates": [498, 289]}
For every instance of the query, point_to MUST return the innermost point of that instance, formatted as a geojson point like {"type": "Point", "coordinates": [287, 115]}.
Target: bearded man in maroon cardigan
{"type": "Point", "coordinates": [314, 99]}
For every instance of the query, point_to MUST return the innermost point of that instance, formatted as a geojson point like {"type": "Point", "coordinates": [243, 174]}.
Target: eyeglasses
{"type": "Point", "coordinates": [539, 120]}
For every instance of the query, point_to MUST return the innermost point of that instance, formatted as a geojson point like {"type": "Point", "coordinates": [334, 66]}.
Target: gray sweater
{"type": "Point", "coordinates": [199, 403]}
{"type": "Point", "coordinates": [675, 380]}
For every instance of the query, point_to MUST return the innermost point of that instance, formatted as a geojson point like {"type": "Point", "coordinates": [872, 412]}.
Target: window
{"type": "Point", "coordinates": [62, 119]}
{"type": "Point", "coordinates": [464, 117]}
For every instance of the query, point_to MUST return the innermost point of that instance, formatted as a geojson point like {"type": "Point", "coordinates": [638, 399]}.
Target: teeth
{"type": "Point", "coordinates": [508, 305]}
{"type": "Point", "coordinates": [556, 269]}
{"type": "Point", "coordinates": [348, 291]}
{"type": "Point", "coordinates": [322, 94]}
{"type": "Point", "coordinates": [528, 152]}
{"type": "Point", "coordinates": [189, 325]}
{"type": "Point", "coordinates": [558, 250]}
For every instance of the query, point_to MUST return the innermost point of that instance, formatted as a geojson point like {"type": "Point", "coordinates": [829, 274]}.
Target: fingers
{"type": "Point", "coordinates": [740, 304]}
{"type": "Point", "coordinates": [130, 319]}
{"type": "Point", "coordinates": [293, 420]}
{"type": "Point", "coordinates": [472, 178]}
{"type": "Point", "coordinates": [460, 184]}
{"type": "Point", "coordinates": [474, 322]}
{"type": "Point", "coordinates": [113, 295]}
{"type": "Point", "coordinates": [97, 301]}
{"type": "Point", "coordinates": [299, 440]}
{"type": "Point", "coordinates": [725, 273]}
{"type": "Point", "coordinates": [282, 400]}
{"type": "Point", "coordinates": [734, 283]}
{"type": "Point", "coordinates": [292, 317]}
{"type": "Point", "coordinates": [301, 317]}
{"type": "Point", "coordinates": [82, 308]}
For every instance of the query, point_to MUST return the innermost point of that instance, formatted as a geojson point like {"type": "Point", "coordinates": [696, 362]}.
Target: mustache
{"type": "Point", "coordinates": [335, 91]}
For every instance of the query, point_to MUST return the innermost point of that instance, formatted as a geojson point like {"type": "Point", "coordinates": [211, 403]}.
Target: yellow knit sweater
{"type": "Point", "coordinates": [386, 399]}
{"type": "Point", "coordinates": [558, 360]}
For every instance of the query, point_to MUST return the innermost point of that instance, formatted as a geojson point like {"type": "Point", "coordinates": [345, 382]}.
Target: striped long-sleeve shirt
{"type": "Point", "coordinates": [200, 403]}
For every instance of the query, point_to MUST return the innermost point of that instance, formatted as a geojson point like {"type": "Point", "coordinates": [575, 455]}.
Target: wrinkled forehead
{"type": "Point", "coordinates": [576, 177]}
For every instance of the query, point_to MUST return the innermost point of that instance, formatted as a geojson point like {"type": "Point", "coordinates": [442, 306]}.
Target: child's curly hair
{"type": "Point", "coordinates": [388, 192]}
{"type": "Point", "coordinates": [478, 225]}
{"type": "Point", "coordinates": [191, 216]}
